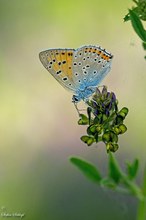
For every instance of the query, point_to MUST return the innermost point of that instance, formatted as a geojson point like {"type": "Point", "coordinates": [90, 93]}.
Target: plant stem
{"type": "Point", "coordinates": [130, 185]}
{"type": "Point", "coordinates": [141, 213]}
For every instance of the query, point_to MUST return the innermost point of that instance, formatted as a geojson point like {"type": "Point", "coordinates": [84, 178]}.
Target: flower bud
{"type": "Point", "coordinates": [88, 140]}
{"type": "Point", "coordinates": [111, 147]}
{"type": "Point", "coordinates": [83, 120]}
{"type": "Point", "coordinates": [122, 128]}
{"type": "Point", "coordinates": [123, 112]}
{"type": "Point", "coordinates": [106, 137]}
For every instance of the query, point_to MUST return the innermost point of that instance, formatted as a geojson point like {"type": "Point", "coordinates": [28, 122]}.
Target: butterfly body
{"type": "Point", "coordinates": [80, 70]}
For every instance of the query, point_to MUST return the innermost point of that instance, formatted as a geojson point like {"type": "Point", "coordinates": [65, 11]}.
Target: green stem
{"type": "Point", "coordinates": [141, 213]}
{"type": "Point", "coordinates": [132, 187]}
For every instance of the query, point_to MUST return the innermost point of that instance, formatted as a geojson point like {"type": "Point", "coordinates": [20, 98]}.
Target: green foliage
{"type": "Point", "coordinates": [144, 45]}
{"type": "Point", "coordinates": [137, 25]}
{"type": "Point", "coordinates": [114, 169]}
{"type": "Point", "coordinates": [88, 169]}
{"type": "Point", "coordinates": [136, 14]}
{"type": "Point", "coordinates": [139, 10]}
{"type": "Point", "coordinates": [116, 179]}
{"type": "Point", "coordinates": [105, 122]}
{"type": "Point", "coordinates": [132, 169]}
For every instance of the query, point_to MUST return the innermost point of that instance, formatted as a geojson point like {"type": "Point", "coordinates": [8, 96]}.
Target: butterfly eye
{"type": "Point", "coordinates": [75, 99]}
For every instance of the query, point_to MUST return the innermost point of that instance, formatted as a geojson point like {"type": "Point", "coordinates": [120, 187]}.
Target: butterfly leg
{"type": "Point", "coordinates": [75, 104]}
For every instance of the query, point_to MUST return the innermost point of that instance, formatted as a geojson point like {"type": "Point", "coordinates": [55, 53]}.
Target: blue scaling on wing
{"type": "Point", "coordinates": [80, 70]}
{"type": "Point", "coordinates": [90, 66]}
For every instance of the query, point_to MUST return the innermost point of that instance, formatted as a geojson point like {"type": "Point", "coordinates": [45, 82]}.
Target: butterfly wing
{"type": "Point", "coordinates": [90, 65]}
{"type": "Point", "coordinates": [59, 63]}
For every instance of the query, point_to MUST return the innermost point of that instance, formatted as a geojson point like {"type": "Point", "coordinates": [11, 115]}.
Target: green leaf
{"type": "Point", "coordinates": [88, 169]}
{"type": "Point", "coordinates": [132, 169]}
{"type": "Point", "coordinates": [144, 45]}
{"type": "Point", "coordinates": [127, 17]}
{"type": "Point", "coordinates": [137, 25]}
{"type": "Point", "coordinates": [141, 212]}
{"type": "Point", "coordinates": [114, 169]}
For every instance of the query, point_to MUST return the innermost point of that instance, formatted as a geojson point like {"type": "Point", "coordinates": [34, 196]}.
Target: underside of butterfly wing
{"type": "Point", "coordinates": [80, 70]}
{"type": "Point", "coordinates": [90, 65]}
{"type": "Point", "coordinates": [59, 63]}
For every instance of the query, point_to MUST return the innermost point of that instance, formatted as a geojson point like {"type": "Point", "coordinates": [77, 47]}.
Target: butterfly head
{"type": "Point", "coordinates": [75, 99]}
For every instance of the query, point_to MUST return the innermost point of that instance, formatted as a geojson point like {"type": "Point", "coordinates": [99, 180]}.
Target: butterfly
{"type": "Point", "coordinates": [78, 70]}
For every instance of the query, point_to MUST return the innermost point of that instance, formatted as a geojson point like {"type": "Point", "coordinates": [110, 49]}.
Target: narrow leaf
{"type": "Point", "coordinates": [141, 213]}
{"type": "Point", "coordinates": [127, 17]}
{"type": "Point", "coordinates": [137, 25]}
{"type": "Point", "coordinates": [144, 45]}
{"type": "Point", "coordinates": [88, 169]}
{"type": "Point", "coordinates": [114, 169]}
{"type": "Point", "coordinates": [132, 169]}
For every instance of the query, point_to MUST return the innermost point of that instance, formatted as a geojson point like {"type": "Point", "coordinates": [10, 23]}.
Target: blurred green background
{"type": "Point", "coordinates": [38, 123]}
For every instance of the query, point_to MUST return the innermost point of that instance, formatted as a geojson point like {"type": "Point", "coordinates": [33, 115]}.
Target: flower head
{"type": "Point", "coordinates": [104, 120]}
